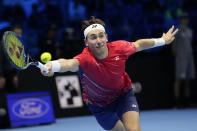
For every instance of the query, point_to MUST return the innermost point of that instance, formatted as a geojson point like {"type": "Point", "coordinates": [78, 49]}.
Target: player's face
{"type": "Point", "coordinates": [96, 40]}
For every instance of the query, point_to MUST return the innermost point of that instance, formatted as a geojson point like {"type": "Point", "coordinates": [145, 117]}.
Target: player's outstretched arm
{"type": "Point", "coordinates": [166, 38]}
{"type": "Point", "coordinates": [68, 65]}
{"type": "Point", "coordinates": [61, 65]}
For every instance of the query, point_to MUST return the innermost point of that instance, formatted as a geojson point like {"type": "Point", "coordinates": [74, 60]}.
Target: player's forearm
{"type": "Point", "coordinates": [68, 65]}
{"type": "Point", "coordinates": [144, 44]}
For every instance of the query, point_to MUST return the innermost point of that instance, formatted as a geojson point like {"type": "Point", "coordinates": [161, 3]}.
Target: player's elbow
{"type": "Point", "coordinates": [69, 65]}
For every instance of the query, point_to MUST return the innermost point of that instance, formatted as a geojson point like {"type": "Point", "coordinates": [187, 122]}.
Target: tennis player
{"type": "Point", "coordinates": [106, 86]}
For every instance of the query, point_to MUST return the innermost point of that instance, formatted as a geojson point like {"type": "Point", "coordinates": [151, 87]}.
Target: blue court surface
{"type": "Point", "coordinates": [154, 120]}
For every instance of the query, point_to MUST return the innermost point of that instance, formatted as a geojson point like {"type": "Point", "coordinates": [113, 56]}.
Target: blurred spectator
{"type": "Point", "coordinates": [71, 42]}
{"type": "Point", "coordinates": [76, 10]}
{"type": "Point", "coordinates": [8, 80]}
{"type": "Point", "coordinates": [49, 42]}
{"type": "Point", "coordinates": [35, 20]}
{"type": "Point", "coordinates": [6, 71]}
{"type": "Point", "coordinates": [173, 10]}
{"type": "Point", "coordinates": [17, 29]}
{"type": "Point", "coordinates": [76, 13]}
{"type": "Point", "coordinates": [19, 15]}
{"type": "Point", "coordinates": [14, 14]}
{"type": "Point", "coordinates": [185, 68]}
{"type": "Point", "coordinates": [52, 13]}
{"type": "Point", "coordinates": [33, 30]}
{"type": "Point", "coordinates": [134, 7]}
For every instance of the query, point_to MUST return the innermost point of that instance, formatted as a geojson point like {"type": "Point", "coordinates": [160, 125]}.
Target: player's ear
{"type": "Point", "coordinates": [85, 41]}
{"type": "Point", "coordinates": [106, 38]}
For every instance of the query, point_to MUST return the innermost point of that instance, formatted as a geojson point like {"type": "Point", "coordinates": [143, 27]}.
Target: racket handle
{"type": "Point", "coordinates": [42, 67]}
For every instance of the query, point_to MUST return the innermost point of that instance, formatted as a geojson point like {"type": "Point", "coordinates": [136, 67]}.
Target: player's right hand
{"type": "Point", "coordinates": [50, 72]}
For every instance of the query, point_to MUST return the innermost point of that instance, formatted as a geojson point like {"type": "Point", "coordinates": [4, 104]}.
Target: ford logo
{"type": "Point", "coordinates": [30, 108]}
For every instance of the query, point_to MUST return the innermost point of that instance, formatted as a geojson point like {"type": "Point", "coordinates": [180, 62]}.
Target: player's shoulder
{"type": "Point", "coordinates": [85, 51]}
{"type": "Point", "coordinates": [119, 44]}
{"type": "Point", "coordinates": [84, 54]}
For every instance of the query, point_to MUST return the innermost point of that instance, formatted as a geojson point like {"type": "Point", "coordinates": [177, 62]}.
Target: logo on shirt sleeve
{"type": "Point", "coordinates": [117, 58]}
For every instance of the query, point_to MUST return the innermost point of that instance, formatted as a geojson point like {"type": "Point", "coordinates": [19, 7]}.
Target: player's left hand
{"type": "Point", "coordinates": [170, 35]}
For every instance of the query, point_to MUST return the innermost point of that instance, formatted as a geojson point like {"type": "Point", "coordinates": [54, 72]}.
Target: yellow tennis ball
{"type": "Point", "coordinates": [45, 57]}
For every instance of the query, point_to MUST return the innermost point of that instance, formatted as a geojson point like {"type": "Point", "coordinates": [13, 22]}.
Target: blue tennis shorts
{"type": "Point", "coordinates": [109, 115]}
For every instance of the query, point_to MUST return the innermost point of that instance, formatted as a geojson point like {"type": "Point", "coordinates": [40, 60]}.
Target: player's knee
{"type": "Point", "coordinates": [118, 127]}
{"type": "Point", "coordinates": [132, 128]}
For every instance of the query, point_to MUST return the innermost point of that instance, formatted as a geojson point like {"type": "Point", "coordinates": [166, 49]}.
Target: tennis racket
{"type": "Point", "coordinates": [14, 49]}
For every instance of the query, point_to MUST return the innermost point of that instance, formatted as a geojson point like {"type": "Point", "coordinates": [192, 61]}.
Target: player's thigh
{"type": "Point", "coordinates": [106, 117]}
{"type": "Point", "coordinates": [131, 121]}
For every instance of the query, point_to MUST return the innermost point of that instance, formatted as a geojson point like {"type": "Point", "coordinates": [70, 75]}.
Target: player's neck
{"type": "Point", "coordinates": [102, 54]}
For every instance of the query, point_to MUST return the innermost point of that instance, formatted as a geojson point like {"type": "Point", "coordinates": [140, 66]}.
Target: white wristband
{"type": "Point", "coordinates": [55, 66]}
{"type": "Point", "coordinates": [159, 42]}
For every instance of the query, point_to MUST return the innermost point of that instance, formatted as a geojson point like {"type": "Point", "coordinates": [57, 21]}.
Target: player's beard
{"type": "Point", "coordinates": [101, 51]}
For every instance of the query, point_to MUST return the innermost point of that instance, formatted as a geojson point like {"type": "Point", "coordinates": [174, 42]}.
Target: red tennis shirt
{"type": "Point", "coordinates": [104, 80]}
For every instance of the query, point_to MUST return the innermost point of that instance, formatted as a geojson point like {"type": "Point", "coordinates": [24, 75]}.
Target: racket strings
{"type": "Point", "coordinates": [15, 50]}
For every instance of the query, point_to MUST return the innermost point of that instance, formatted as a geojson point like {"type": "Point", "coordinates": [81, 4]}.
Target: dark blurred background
{"type": "Point", "coordinates": [55, 26]}
{"type": "Point", "coordinates": [57, 23]}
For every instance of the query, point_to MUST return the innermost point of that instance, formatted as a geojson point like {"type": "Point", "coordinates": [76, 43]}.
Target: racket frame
{"type": "Point", "coordinates": [26, 54]}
